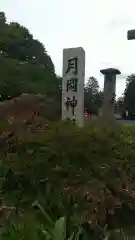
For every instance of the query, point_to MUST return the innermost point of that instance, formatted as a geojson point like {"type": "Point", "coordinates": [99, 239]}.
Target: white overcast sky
{"type": "Point", "coordinates": [99, 26]}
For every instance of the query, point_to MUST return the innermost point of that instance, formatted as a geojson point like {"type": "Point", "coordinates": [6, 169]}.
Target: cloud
{"type": "Point", "coordinates": [123, 76]}
{"type": "Point", "coordinates": [99, 26]}
{"type": "Point", "coordinates": [119, 22]}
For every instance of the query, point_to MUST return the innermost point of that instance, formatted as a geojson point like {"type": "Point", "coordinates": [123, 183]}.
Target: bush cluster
{"type": "Point", "coordinates": [84, 174]}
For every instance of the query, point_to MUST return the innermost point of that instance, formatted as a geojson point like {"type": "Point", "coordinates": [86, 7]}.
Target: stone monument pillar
{"type": "Point", "coordinates": [73, 85]}
{"type": "Point", "coordinates": [109, 92]}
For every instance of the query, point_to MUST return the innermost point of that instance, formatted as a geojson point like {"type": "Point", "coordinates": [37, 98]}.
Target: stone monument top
{"type": "Point", "coordinates": [111, 71]}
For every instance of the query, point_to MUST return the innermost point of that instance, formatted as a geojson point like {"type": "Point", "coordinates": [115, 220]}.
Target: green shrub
{"type": "Point", "coordinates": [84, 174]}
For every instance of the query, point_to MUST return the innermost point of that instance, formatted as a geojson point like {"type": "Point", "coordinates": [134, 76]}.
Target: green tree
{"type": "Point", "coordinates": [119, 106]}
{"type": "Point", "coordinates": [2, 18]}
{"type": "Point", "coordinates": [129, 95]}
{"type": "Point", "coordinates": [25, 65]}
{"type": "Point", "coordinates": [92, 96]}
{"type": "Point", "coordinates": [93, 85]}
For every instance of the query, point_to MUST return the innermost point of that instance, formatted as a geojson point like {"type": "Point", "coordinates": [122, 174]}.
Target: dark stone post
{"type": "Point", "coordinates": [109, 92]}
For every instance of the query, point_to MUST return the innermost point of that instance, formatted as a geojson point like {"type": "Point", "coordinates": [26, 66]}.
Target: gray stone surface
{"type": "Point", "coordinates": [73, 85]}
{"type": "Point", "coordinates": [109, 92]}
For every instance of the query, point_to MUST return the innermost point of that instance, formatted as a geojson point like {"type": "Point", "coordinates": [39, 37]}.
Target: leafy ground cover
{"type": "Point", "coordinates": [53, 170]}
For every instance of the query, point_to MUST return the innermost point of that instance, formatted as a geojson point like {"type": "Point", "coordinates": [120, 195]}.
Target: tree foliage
{"type": "Point", "coordinates": [25, 65]}
{"type": "Point", "coordinates": [129, 95]}
{"type": "Point", "coordinates": [92, 96]}
{"type": "Point", "coordinates": [119, 106]}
